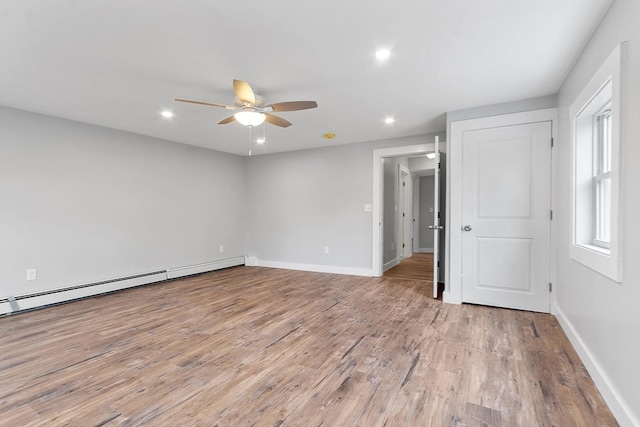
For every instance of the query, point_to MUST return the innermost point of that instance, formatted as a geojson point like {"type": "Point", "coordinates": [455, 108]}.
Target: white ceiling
{"type": "Point", "coordinates": [120, 63]}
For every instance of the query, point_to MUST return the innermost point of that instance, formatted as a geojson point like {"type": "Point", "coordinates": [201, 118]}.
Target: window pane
{"type": "Point", "coordinates": [605, 148]}
{"type": "Point", "coordinates": [602, 135]}
{"type": "Point", "coordinates": [603, 210]}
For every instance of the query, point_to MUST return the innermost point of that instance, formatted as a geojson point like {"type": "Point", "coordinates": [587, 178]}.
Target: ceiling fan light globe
{"type": "Point", "coordinates": [249, 118]}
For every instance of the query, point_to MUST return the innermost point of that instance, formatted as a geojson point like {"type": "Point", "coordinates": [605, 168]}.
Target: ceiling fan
{"type": "Point", "coordinates": [250, 109]}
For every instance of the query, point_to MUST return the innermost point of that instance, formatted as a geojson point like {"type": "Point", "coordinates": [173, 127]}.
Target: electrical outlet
{"type": "Point", "coordinates": [32, 274]}
{"type": "Point", "coordinates": [326, 249]}
{"type": "Point", "coordinates": [221, 248]}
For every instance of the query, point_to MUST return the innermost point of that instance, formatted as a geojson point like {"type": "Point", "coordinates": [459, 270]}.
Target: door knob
{"type": "Point", "coordinates": [433, 227]}
{"type": "Point", "coordinates": [466, 228]}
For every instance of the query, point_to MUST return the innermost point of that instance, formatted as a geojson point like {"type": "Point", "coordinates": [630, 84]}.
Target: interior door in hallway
{"type": "Point", "coordinates": [405, 211]}
{"type": "Point", "coordinates": [506, 216]}
{"type": "Point", "coordinates": [436, 227]}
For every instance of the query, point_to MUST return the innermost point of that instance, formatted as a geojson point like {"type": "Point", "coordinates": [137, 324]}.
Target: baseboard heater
{"type": "Point", "coordinates": [16, 303]}
{"type": "Point", "coordinates": [174, 273]}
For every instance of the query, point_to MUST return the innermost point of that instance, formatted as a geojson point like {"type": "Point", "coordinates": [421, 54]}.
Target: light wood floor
{"type": "Point", "coordinates": [264, 347]}
{"type": "Point", "coordinates": [419, 266]}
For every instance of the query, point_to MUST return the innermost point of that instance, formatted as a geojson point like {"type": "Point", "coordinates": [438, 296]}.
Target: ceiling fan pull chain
{"type": "Point", "coordinates": [249, 139]}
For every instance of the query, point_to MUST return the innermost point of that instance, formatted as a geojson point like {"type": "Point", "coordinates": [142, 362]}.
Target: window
{"type": "Point", "coordinates": [595, 125]}
{"type": "Point", "coordinates": [602, 134]}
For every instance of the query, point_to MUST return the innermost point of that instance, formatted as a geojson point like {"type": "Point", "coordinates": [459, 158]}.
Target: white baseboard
{"type": "Point", "coordinates": [204, 267]}
{"type": "Point", "coordinates": [316, 268]}
{"type": "Point", "coordinates": [620, 409]}
{"type": "Point", "coordinates": [391, 264]}
{"type": "Point", "coordinates": [425, 250]}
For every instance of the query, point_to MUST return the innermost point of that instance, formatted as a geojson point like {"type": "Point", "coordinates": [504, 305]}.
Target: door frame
{"type": "Point", "coordinates": [378, 176]}
{"type": "Point", "coordinates": [453, 234]}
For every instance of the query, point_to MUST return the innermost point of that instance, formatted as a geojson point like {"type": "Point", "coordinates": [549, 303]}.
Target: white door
{"type": "Point", "coordinates": [506, 173]}
{"type": "Point", "coordinates": [436, 220]}
{"type": "Point", "coordinates": [405, 202]}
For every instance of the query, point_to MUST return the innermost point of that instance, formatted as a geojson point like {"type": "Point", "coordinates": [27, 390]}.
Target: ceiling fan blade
{"type": "Point", "coordinates": [227, 120]}
{"type": "Point", "coordinates": [278, 121]}
{"type": "Point", "coordinates": [244, 92]}
{"type": "Point", "coordinates": [293, 105]}
{"type": "Point", "coordinates": [209, 104]}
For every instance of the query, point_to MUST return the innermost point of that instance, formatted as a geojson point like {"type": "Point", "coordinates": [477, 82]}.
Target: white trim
{"type": "Point", "coordinates": [203, 268]}
{"type": "Point", "coordinates": [391, 264]}
{"type": "Point", "coordinates": [425, 250]}
{"type": "Point", "coordinates": [378, 155]}
{"type": "Point", "coordinates": [316, 268]}
{"type": "Point", "coordinates": [620, 409]}
{"type": "Point", "coordinates": [453, 236]}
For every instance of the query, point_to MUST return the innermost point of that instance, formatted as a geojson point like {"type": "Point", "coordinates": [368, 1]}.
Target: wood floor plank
{"type": "Point", "coordinates": [265, 347]}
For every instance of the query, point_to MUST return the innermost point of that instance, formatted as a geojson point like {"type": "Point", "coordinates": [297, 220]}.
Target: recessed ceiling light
{"type": "Point", "coordinates": [431, 155]}
{"type": "Point", "coordinates": [167, 114]}
{"type": "Point", "coordinates": [260, 140]}
{"type": "Point", "coordinates": [329, 135]}
{"type": "Point", "coordinates": [389, 120]}
{"type": "Point", "coordinates": [383, 54]}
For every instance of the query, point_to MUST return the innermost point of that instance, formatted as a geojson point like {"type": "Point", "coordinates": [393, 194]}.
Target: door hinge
{"type": "Point", "coordinates": [403, 245]}
{"type": "Point", "coordinates": [403, 183]}
{"type": "Point", "coordinates": [438, 265]}
{"type": "Point", "coordinates": [438, 165]}
{"type": "Point", "coordinates": [402, 214]}
{"type": "Point", "coordinates": [551, 142]}
{"type": "Point", "coordinates": [550, 287]}
{"type": "Point", "coordinates": [551, 214]}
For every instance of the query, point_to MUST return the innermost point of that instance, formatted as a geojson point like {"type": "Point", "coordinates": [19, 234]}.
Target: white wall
{"type": "Point", "coordinates": [82, 203]}
{"type": "Point", "coordinates": [301, 201]}
{"type": "Point", "coordinates": [600, 316]}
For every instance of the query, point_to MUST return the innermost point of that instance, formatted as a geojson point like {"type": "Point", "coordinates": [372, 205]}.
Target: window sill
{"type": "Point", "coordinates": [599, 249]}
{"type": "Point", "coordinates": [604, 261]}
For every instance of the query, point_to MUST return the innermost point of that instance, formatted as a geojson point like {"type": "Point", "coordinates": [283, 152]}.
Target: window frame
{"type": "Point", "coordinates": [589, 244]}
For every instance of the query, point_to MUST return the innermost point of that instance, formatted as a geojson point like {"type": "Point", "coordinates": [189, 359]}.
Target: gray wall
{"type": "Point", "coordinates": [426, 217]}
{"type": "Point", "coordinates": [301, 201]}
{"type": "Point", "coordinates": [604, 315]}
{"type": "Point", "coordinates": [389, 211]}
{"type": "Point", "coordinates": [539, 103]}
{"type": "Point", "coordinates": [83, 203]}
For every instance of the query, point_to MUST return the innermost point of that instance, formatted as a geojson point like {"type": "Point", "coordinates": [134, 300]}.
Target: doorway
{"type": "Point", "coordinates": [383, 212]}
